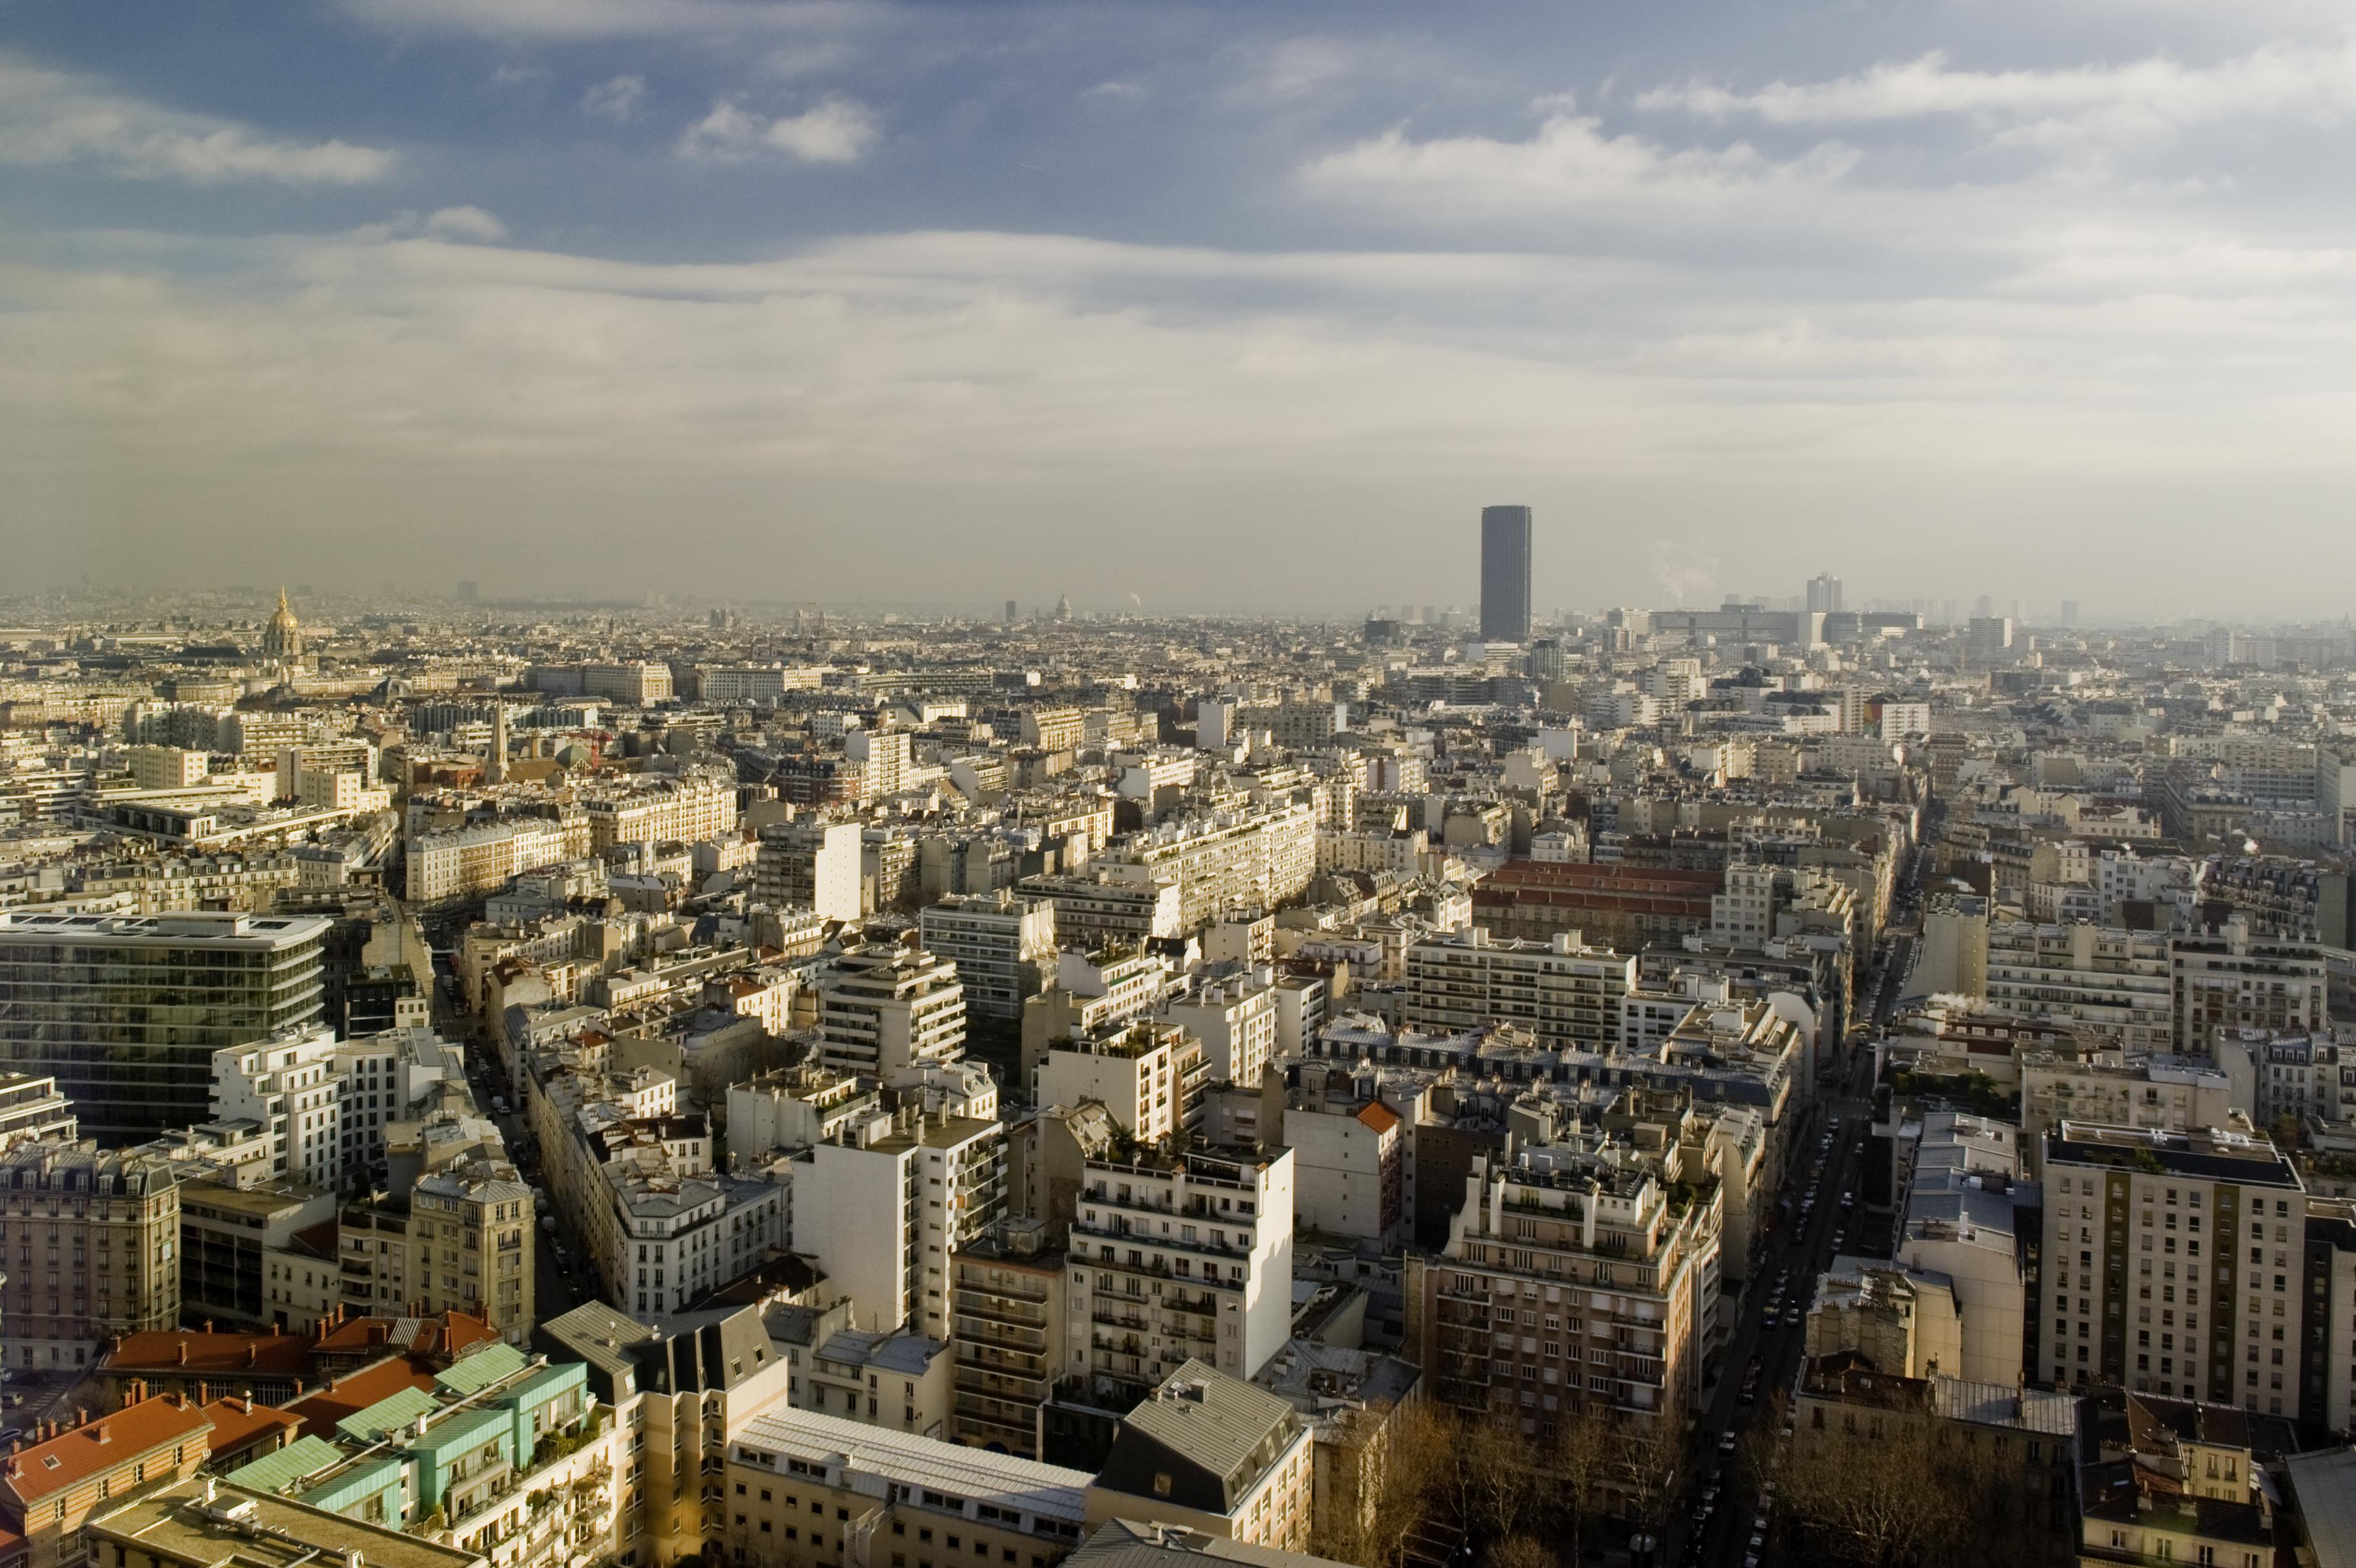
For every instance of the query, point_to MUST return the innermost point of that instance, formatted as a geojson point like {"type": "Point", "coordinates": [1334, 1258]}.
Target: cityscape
{"type": "Point", "coordinates": [871, 784]}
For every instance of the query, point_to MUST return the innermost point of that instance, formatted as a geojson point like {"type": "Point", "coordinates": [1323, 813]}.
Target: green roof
{"type": "Point", "coordinates": [273, 1473]}
{"type": "Point", "coordinates": [388, 1415]}
{"type": "Point", "coordinates": [338, 1493]}
{"type": "Point", "coordinates": [481, 1369]}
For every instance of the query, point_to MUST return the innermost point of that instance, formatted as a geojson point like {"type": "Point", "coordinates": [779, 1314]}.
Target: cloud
{"type": "Point", "coordinates": [465, 223]}
{"type": "Point", "coordinates": [2145, 100]}
{"type": "Point", "coordinates": [509, 75]}
{"type": "Point", "coordinates": [837, 130]}
{"type": "Point", "coordinates": [617, 100]}
{"type": "Point", "coordinates": [1112, 92]}
{"type": "Point", "coordinates": [51, 119]}
{"type": "Point", "coordinates": [566, 19]}
{"type": "Point", "coordinates": [1570, 163]}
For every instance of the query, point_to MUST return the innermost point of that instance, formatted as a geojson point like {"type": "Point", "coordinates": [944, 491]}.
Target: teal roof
{"type": "Point", "coordinates": [466, 1427]}
{"type": "Point", "coordinates": [481, 1369]}
{"type": "Point", "coordinates": [388, 1415]}
{"type": "Point", "coordinates": [273, 1473]}
{"type": "Point", "coordinates": [355, 1486]}
{"type": "Point", "coordinates": [548, 1382]}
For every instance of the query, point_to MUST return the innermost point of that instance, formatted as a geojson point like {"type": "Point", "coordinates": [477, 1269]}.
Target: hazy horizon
{"type": "Point", "coordinates": [843, 301]}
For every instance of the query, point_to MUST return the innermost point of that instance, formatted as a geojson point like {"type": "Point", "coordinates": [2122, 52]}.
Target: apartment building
{"type": "Point", "coordinates": [290, 1087]}
{"type": "Point", "coordinates": [2098, 976]}
{"type": "Point", "coordinates": [127, 1010]}
{"type": "Point", "coordinates": [2231, 982]}
{"type": "Point", "coordinates": [802, 1488]}
{"type": "Point", "coordinates": [1004, 947]}
{"type": "Point", "coordinates": [1180, 1256]}
{"type": "Point", "coordinates": [682, 1396]}
{"type": "Point", "coordinates": [1256, 855]}
{"type": "Point", "coordinates": [1098, 910]}
{"type": "Point", "coordinates": [453, 865]}
{"type": "Point", "coordinates": [883, 1204]}
{"type": "Point", "coordinates": [1234, 1017]}
{"type": "Point", "coordinates": [51, 1488]}
{"type": "Point", "coordinates": [682, 809]}
{"type": "Point", "coordinates": [1565, 993]}
{"type": "Point", "coordinates": [90, 1239]}
{"type": "Point", "coordinates": [2173, 1263]}
{"type": "Point", "coordinates": [1210, 1452]}
{"type": "Point", "coordinates": [512, 1458]}
{"type": "Point", "coordinates": [1135, 1070]}
{"type": "Point", "coordinates": [2111, 1088]}
{"type": "Point", "coordinates": [639, 683]}
{"type": "Point", "coordinates": [810, 865]}
{"type": "Point", "coordinates": [670, 1231]}
{"type": "Point", "coordinates": [462, 1237]}
{"type": "Point", "coordinates": [1569, 1280]}
{"type": "Point", "coordinates": [1007, 1335]}
{"type": "Point", "coordinates": [882, 1008]}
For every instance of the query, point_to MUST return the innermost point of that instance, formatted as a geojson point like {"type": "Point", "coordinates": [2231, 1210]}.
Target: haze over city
{"type": "Point", "coordinates": [1224, 307]}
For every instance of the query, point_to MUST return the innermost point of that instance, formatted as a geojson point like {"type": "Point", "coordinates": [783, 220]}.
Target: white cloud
{"type": "Point", "coordinates": [465, 223]}
{"type": "Point", "coordinates": [617, 100]}
{"type": "Point", "coordinates": [1568, 163]}
{"type": "Point", "coordinates": [49, 118]}
{"type": "Point", "coordinates": [1112, 92]}
{"type": "Point", "coordinates": [1039, 369]}
{"type": "Point", "coordinates": [511, 74]}
{"type": "Point", "coordinates": [2143, 99]}
{"type": "Point", "coordinates": [836, 130]}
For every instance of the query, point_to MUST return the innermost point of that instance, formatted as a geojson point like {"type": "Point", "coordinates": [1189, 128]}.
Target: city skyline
{"type": "Point", "coordinates": [2047, 295]}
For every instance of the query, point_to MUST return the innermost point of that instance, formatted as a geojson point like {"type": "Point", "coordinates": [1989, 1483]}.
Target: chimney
{"type": "Point", "coordinates": [209, 1325]}
{"type": "Point", "coordinates": [204, 1392]}
{"type": "Point", "coordinates": [183, 1359]}
{"type": "Point", "coordinates": [81, 1417]}
{"type": "Point", "coordinates": [103, 1434]}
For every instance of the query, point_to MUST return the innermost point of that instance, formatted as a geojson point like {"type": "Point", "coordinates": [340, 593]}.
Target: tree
{"type": "Point", "coordinates": [1499, 1484]}
{"type": "Point", "coordinates": [1520, 1551]}
{"type": "Point", "coordinates": [1647, 1469]}
{"type": "Point", "coordinates": [1876, 1485]}
{"type": "Point", "coordinates": [1410, 1476]}
{"type": "Point", "coordinates": [1586, 1455]}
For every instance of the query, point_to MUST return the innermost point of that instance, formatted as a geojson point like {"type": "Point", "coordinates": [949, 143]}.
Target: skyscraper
{"type": "Point", "coordinates": [1504, 573]}
{"type": "Point", "coordinates": [1825, 593]}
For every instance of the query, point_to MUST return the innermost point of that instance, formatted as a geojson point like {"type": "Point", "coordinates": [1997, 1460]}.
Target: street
{"type": "Point", "coordinates": [1725, 1536]}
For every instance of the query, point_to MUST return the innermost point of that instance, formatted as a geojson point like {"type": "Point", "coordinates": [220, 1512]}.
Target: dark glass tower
{"type": "Point", "coordinates": [1504, 573]}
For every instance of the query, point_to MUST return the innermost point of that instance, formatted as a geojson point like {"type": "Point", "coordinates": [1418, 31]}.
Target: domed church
{"type": "Point", "coordinates": [282, 642]}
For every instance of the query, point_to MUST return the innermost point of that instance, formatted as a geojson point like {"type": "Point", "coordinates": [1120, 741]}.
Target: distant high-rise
{"type": "Point", "coordinates": [468, 592]}
{"type": "Point", "coordinates": [1983, 607]}
{"type": "Point", "coordinates": [2069, 612]}
{"type": "Point", "coordinates": [1013, 612]}
{"type": "Point", "coordinates": [1825, 593]}
{"type": "Point", "coordinates": [1504, 573]}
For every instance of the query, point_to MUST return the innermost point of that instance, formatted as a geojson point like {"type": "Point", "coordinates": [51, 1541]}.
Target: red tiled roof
{"type": "Point", "coordinates": [322, 1408]}
{"type": "Point", "coordinates": [451, 1333]}
{"type": "Point", "coordinates": [198, 1353]}
{"type": "Point", "coordinates": [66, 1460]}
{"type": "Point", "coordinates": [1378, 1116]}
{"type": "Point", "coordinates": [238, 1423]}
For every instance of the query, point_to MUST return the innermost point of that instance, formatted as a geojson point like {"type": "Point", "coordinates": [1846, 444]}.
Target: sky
{"type": "Point", "coordinates": [1224, 306]}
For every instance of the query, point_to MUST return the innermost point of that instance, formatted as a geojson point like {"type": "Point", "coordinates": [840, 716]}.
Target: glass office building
{"type": "Point", "coordinates": [125, 1010]}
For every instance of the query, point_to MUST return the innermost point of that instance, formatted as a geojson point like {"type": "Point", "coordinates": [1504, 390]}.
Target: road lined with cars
{"type": "Point", "coordinates": [1728, 1517]}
